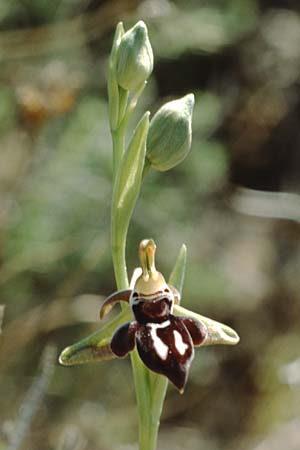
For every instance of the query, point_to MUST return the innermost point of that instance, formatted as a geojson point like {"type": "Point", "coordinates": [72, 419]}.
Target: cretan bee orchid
{"type": "Point", "coordinates": [163, 332]}
{"type": "Point", "coordinates": [165, 342]}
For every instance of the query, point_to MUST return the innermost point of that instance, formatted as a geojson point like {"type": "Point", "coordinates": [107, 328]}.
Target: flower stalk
{"type": "Point", "coordinates": [128, 170]}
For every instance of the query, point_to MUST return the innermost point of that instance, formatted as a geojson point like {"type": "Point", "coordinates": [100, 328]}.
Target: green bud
{"type": "Point", "coordinates": [134, 58]}
{"type": "Point", "coordinates": [170, 133]}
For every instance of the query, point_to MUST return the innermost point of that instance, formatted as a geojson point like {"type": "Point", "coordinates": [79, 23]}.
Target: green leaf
{"type": "Point", "coordinates": [128, 182]}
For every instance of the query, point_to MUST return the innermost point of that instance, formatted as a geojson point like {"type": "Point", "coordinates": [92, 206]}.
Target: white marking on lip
{"type": "Point", "coordinates": [179, 344]}
{"type": "Point", "coordinates": [160, 347]}
{"type": "Point", "coordinates": [135, 300]}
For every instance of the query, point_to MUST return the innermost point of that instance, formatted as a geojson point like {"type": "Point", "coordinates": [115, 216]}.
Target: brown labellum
{"type": "Point", "coordinates": [165, 343]}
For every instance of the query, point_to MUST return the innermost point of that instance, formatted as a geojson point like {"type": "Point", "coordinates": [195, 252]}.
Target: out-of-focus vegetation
{"type": "Point", "coordinates": [242, 60]}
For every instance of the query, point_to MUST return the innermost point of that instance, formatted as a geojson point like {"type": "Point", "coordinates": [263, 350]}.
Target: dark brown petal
{"type": "Point", "coordinates": [153, 311]}
{"type": "Point", "coordinates": [197, 329]}
{"type": "Point", "coordinates": [123, 339]}
{"type": "Point", "coordinates": [119, 296]}
{"type": "Point", "coordinates": [167, 349]}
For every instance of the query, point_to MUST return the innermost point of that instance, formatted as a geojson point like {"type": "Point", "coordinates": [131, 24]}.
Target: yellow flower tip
{"type": "Point", "coordinates": [147, 245]}
{"type": "Point", "coordinates": [147, 249]}
{"type": "Point", "coordinates": [150, 281]}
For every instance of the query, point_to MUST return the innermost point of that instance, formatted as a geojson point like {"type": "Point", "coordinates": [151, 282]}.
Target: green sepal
{"type": "Point", "coordinates": [123, 100]}
{"type": "Point", "coordinates": [218, 333]}
{"type": "Point", "coordinates": [112, 84]}
{"type": "Point", "coordinates": [95, 347]}
{"type": "Point", "coordinates": [176, 278]}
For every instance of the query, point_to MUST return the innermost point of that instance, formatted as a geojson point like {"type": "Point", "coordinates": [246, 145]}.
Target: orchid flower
{"type": "Point", "coordinates": [163, 332]}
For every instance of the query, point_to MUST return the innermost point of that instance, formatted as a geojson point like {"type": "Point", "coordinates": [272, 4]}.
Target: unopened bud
{"type": "Point", "coordinates": [170, 133]}
{"type": "Point", "coordinates": [134, 58]}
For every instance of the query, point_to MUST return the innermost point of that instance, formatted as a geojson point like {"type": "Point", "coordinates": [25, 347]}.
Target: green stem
{"type": "Point", "coordinates": [148, 422]}
{"type": "Point", "coordinates": [159, 389]}
{"type": "Point", "coordinates": [147, 411]}
{"type": "Point", "coordinates": [119, 262]}
{"type": "Point", "coordinates": [148, 428]}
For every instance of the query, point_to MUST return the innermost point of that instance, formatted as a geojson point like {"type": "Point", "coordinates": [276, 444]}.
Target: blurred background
{"type": "Point", "coordinates": [234, 201]}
